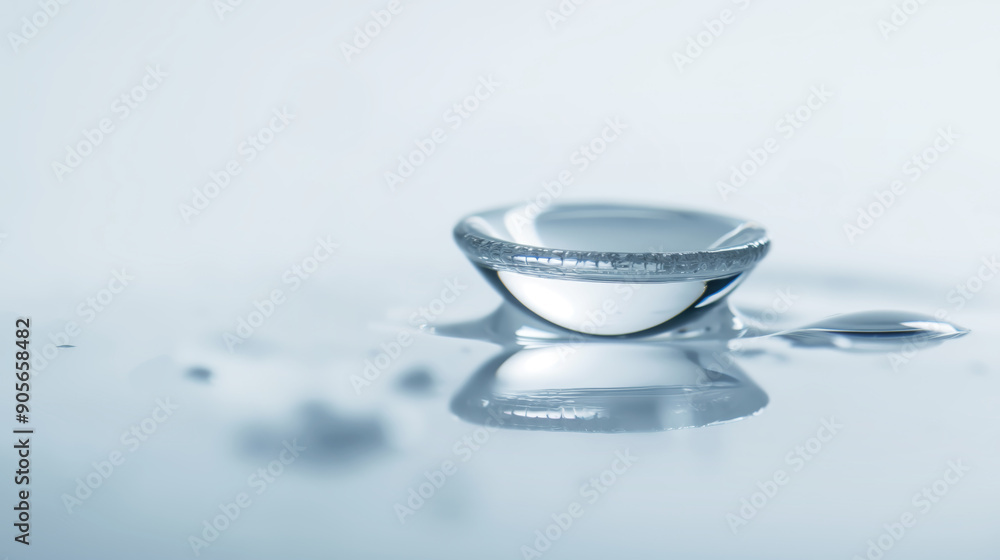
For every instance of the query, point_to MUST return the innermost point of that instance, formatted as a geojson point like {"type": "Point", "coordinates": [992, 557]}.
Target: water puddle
{"type": "Point", "coordinates": [616, 319]}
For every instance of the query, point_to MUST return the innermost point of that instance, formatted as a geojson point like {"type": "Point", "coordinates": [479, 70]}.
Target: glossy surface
{"type": "Point", "coordinates": [902, 424]}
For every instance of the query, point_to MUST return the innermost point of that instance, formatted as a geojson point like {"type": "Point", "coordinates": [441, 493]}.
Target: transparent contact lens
{"type": "Point", "coordinates": [611, 270]}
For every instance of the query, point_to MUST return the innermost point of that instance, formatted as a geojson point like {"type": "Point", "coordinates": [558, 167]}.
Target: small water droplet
{"type": "Point", "coordinates": [199, 373]}
{"type": "Point", "coordinates": [874, 329]}
{"type": "Point", "coordinates": [417, 381]}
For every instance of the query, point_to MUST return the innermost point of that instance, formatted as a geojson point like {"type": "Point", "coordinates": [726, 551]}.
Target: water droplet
{"type": "Point", "coordinates": [874, 329]}
{"type": "Point", "coordinates": [199, 373]}
{"type": "Point", "coordinates": [418, 381]}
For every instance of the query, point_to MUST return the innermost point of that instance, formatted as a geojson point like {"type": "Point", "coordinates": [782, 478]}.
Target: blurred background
{"type": "Point", "coordinates": [171, 166]}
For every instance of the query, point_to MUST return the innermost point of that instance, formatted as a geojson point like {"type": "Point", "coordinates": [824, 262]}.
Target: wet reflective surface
{"type": "Point", "coordinates": [556, 381]}
{"type": "Point", "coordinates": [436, 401]}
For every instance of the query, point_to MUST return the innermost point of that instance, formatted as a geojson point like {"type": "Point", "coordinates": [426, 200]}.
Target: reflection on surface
{"type": "Point", "coordinates": [549, 379]}
{"type": "Point", "coordinates": [614, 387]}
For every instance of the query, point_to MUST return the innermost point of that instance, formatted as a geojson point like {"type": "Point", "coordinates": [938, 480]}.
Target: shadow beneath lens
{"type": "Point", "coordinates": [510, 325]}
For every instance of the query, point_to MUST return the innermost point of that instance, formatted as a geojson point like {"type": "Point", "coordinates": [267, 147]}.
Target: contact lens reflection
{"type": "Point", "coordinates": [612, 387]}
